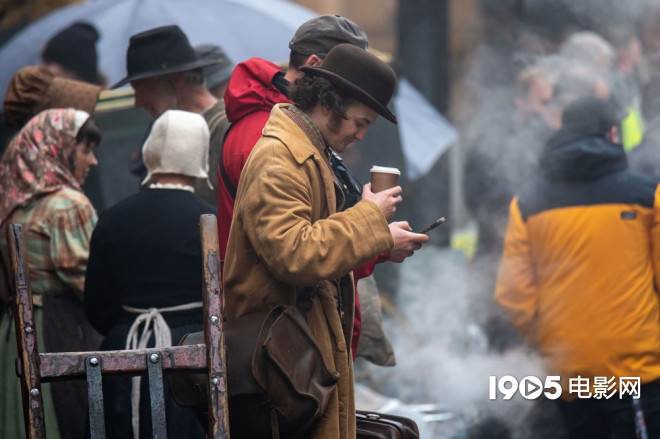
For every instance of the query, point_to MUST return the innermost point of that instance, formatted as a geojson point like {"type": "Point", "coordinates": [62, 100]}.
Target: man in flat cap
{"type": "Point", "coordinates": [216, 77]}
{"type": "Point", "coordinates": [291, 242]}
{"type": "Point", "coordinates": [579, 275]}
{"type": "Point", "coordinates": [167, 74]}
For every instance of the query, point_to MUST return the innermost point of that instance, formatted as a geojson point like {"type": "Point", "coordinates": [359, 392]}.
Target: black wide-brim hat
{"type": "Point", "coordinates": [160, 51]}
{"type": "Point", "coordinates": [359, 74]}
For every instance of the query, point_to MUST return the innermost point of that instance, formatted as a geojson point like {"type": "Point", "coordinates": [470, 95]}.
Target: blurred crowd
{"type": "Point", "coordinates": [525, 73]}
{"type": "Point", "coordinates": [537, 60]}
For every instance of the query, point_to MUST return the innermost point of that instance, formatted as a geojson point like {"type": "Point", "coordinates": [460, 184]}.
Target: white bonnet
{"type": "Point", "coordinates": [177, 144]}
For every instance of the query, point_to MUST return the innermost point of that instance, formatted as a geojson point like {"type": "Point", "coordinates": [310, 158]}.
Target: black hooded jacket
{"type": "Point", "coordinates": [578, 168]}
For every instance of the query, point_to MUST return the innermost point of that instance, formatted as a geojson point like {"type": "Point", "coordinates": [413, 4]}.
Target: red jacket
{"type": "Point", "coordinates": [249, 98]}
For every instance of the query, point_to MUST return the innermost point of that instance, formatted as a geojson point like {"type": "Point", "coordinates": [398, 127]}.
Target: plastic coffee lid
{"type": "Point", "coordinates": [385, 170]}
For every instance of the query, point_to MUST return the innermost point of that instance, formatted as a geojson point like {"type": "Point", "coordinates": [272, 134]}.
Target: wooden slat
{"type": "Point", "coordinates": [214, 337]}
{"type": "Point", "coordinates": [66, 365]}
{"type": "Point", "coordinates": [26, 338]}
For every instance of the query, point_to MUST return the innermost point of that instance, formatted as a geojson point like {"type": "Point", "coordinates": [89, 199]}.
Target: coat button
{"type": "Point", "coordinates": [341, 346]}
{"type": "Point", "coordinates": [341, 406]}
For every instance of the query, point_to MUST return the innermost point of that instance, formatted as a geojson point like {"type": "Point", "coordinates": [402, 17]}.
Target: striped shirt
{"type": "Point", "coordinates": [57, 229]}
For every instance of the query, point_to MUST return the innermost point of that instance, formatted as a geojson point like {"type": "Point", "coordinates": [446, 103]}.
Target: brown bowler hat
{"type": "Point", "coordinates": [33, 89]}
{"type": "Point", "coordinates": [359, 74]}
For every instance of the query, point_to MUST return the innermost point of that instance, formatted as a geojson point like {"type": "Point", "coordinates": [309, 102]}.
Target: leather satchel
{"type": "Point", "coordinates": [274, 367]}
{"type": "Point", "coordinates": [371, 425]}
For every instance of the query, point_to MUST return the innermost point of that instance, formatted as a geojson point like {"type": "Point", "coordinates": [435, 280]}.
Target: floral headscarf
{"type": "Point", "coordinates": [38, 159]}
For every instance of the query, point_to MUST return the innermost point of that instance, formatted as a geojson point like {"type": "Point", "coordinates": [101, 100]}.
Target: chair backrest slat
{"type": "Point", "coordinates": [156, 395]}
{"type": "Point", "coordinates": [93, 368]}
{"type": "Point", "coordinates": [55, 366]}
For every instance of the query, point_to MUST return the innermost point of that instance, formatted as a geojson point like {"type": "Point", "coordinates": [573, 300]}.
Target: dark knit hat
{"type": "Point", "coordinates": [591, 116]}
{"type": "Point", "coordinates": [74, 48]}
{"type": "Point", "coordinates": [360, 75]}
{"type": "Point", "coordinates": [216, 73]}
{"type": "Point", "coordinates": [318, 35]}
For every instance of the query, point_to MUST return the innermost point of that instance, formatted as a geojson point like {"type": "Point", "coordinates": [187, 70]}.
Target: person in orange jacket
{"type": "Point", "coordinates": [579, 270]}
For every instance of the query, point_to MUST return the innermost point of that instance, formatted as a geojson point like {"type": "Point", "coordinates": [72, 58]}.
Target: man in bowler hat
{"type": "Point", "coordinates": [216, 76]}
{"type": "Point", "coordinates": [290, 240]}
{"type": "Point", "coordinates": [167, 73]}
{"type": "Point", "coordinates": [256, 85]}
{"type": "Point", "coordinates": [254, 88]}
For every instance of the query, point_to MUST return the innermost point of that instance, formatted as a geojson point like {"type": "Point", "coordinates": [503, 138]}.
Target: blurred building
{"type": "Point", "coordinates": [14, 14]}
{"type": "Point", "coordinates": [438, 39]}
{"type": "Point", "coordinates": [379, 19]}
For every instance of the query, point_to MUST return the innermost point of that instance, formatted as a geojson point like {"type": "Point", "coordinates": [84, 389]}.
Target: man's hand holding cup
{"type": "Point", "coordinates": [383, 189]}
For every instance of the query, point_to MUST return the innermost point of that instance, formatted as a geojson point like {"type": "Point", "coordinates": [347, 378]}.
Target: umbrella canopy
{"type": "Point", "coordinates": [243, 28]}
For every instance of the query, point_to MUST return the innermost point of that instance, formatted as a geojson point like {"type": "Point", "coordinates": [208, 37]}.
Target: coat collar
{"type": "Point", "coordinates": [282, 127]}
{"type": "Point", "coordinates": [310, 129]}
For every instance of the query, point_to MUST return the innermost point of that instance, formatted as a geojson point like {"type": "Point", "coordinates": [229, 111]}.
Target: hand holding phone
{"type": "Point", "coordinates": [406, 242]}
{"type": "Point", "coordinates": [433, 225]}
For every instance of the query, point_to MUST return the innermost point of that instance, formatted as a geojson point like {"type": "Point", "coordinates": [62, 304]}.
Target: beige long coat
{"type": "Point", "coordinates": [287, 234]}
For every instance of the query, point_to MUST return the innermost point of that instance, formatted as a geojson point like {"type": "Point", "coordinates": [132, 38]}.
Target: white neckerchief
{"type": "Point", "coordinates": [178, 186]}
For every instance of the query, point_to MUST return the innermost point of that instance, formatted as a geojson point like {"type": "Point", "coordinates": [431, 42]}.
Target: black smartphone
{"type": "Point", "coordinates": [433, 225]}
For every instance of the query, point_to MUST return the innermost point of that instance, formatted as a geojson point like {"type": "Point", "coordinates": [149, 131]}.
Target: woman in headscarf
{"type": "Point", "coordinates": [41, 175]}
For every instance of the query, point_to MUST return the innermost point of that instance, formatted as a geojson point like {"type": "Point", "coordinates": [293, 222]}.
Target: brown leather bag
{"type": "Point", "coordinates": [274, 367]}
{"type": "Point", "coordinates": [372, 425]}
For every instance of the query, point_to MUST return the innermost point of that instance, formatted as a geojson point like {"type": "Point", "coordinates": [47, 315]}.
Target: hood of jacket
{"type": "Point", "coordinates": [251, 89]}
{"type": "Point", "coordinates": [571, 155]}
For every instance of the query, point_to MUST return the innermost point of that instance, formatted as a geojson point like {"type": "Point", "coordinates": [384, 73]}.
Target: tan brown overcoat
{"type": "Point", "coordinates": [287, 234]}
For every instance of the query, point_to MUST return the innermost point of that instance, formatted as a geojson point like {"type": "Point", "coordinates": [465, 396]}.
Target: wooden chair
{"type": "Point", "coordinates": [34, 368]}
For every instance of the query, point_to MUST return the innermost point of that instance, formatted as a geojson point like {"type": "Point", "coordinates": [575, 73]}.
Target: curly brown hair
{"type": "Point", "coordinates": [307, 91]}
